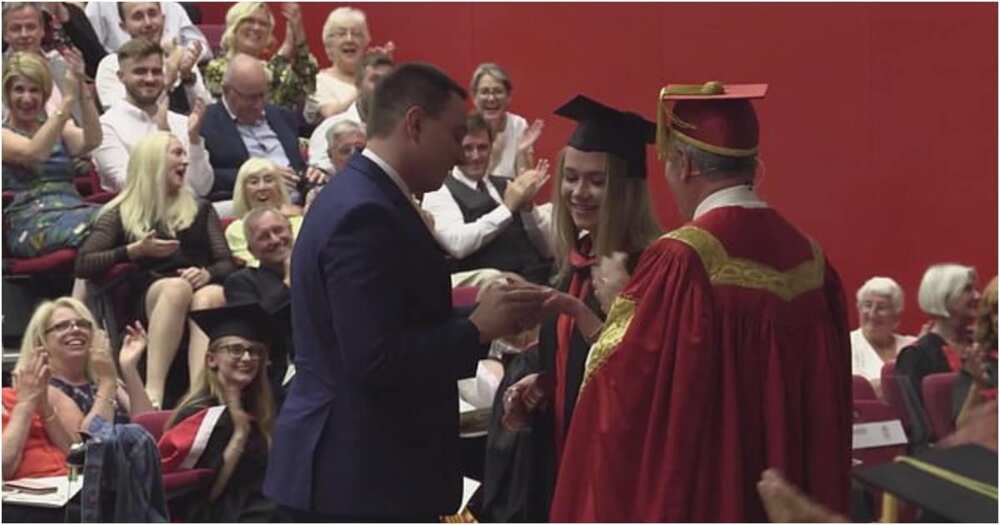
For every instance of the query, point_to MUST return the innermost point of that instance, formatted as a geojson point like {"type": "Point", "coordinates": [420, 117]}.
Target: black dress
{"type": "Point", "coordinates": [242, 500]}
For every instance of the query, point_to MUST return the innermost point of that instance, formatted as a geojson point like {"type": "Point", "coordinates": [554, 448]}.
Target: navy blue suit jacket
{"type": "Point", "coordinates": [370, 424]}
{"type": "Point", "coordinates": [226, 149]}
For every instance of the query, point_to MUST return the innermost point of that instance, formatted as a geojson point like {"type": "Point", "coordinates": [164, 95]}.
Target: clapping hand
{"type": "Point", "coordinates": [195, 120]}
{"type": "Point", "coordinates": [527, 141]}
{"type": "Point", "coordinates": [99, 358]}
{"type": "Point", "coordinates": [389, 48]}
{"type": "Point", "coordinates": [133, 345]}
{"type": "Point", "coordinates": [521, 191]}
{"type": "Point", "coordinates": [189, 57]}
{"type": "Point", "coordinates": [31, 382]}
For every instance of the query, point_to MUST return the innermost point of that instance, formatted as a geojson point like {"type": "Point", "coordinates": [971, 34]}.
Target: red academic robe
{"type": "Point", "coordinates": [727, 353]}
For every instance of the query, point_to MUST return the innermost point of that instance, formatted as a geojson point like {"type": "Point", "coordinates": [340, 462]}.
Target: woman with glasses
{"type": "Point", "coordinates": [514, 140]}
{"type": "Point", "coordinates": [249, 30]}
{"type": "Point", "coordinates": [345, 40]}
{"type": "Point", "coordinates": [875, 342]}
{"type": "Point", "coordinates": [83, 381]}
{"type": "Point", "coordinates": [230, 403]}
{"type": "Point", "coordinates": [258, 185]}
{"type": "Point", "coordinates": [178, 244]}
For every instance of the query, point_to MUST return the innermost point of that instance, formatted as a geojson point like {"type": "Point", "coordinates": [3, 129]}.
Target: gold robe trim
{"type": "Point", "coordinates": [735, 271]}
{"type": "Point", "coordinates": [617, 323]}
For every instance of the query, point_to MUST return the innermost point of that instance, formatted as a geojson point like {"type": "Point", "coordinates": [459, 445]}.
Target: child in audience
{"type": "Point", "coordinates": [231, 403]}
{"type": "Point", "coordinates": [178, 244]}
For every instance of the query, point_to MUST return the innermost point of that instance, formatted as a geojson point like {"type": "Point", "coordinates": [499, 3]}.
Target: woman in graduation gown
{"type": "Point", "coordinates": [231, 403]}
{"type": "Point", "coordinates": [600, 209]}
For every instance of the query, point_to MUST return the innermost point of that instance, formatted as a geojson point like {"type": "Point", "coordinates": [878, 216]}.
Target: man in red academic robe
{"type": "Point", "coordinates": [726, 354]}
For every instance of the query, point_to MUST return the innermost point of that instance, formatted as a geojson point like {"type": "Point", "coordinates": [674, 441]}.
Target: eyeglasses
{"type": "Point", "coordinates": [349, 149]}
{"type": "Point", "coordinates": [495, 92]}
{"type": "Point", "coordinates": [344, 33]}
{"type": "Point", "coordinates": [69, 324]}
{"type": "Point", "coordinates": [237, 351]}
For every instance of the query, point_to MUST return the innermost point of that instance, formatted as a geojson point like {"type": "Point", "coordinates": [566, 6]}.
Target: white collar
{"type": "Point", "coordinates": [740, 195]}
{"type": "Point", "coordinates": [135, 111]}
{"type": "Point", "coordinates": [393, 174]}
{"type": "Point", "coordinates": [458, 174]}
{"type": "Point", "coordinates": [233, 115]}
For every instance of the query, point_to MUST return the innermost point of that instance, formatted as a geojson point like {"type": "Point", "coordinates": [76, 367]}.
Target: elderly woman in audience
{"type": "Point", "coordinates": [976, 383]}
{"type": "Point", "coordinates": [47, 213]}
{"type": "Point", "coordinates": [344, 138]}
{"type": "Point", "coordinates": [178, 244]}
{"type": "Point", "coordinates": [875, 342]}
{"type": "Point", "coordinates": [491, 90]}
{"type": "Point", "coordinates": [231, 404]}
{"type": "Point", "coordinates": [83, 380]}
{"type": "Point", "coordinates": [249, 30]}
{"type": "Point", "coordinates": [258, 185]}
{"type": "Point", "coordinates": [948, 295]}
{"type": "Point", "coordinates": [345, 39]}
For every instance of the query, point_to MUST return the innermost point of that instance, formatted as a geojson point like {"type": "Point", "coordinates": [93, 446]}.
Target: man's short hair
{"type": "Point", "coordinates": [9, 7]}
{"type": "Point", "coordinates": [714, 166]}
{"type": "Point", "coordinates": [475, 123]}
{"type": "Point", "coordinates": [413, 84]}
{"type": "Point", "coordinates": [236, 61]}
{"type": "Point", "coordinates": [371, 59]}
{"type": "Point", "coordinates": [340, 128]}
{"type": "Point", "coordinates": [121, 8]}
{"type": "Point", "coordinates": [251, 218]}
{"type": "Point", "coordinates": [137, 49]}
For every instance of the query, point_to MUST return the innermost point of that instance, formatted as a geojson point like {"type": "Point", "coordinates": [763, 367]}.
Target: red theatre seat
{"type": "Point", "coordinates": [862, 388]}
{"type": "Point", "coordinates": [59, 261]}
{"type": "Point", "coordinates": [174, 483]}
{"type": "Point", "coordinates": [937, 390]}
{"type": "Point", "coordinates": [892, 393]}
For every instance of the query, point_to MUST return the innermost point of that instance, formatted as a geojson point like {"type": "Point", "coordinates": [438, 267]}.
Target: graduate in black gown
{"type": "Point", "coordinates": [600, 210]}
{"type": "Point", "coordinates": [232, 404]}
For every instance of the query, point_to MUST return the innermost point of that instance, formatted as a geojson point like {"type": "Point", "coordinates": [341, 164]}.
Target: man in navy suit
{"type": "Point", "coordinates": [243, 125]}
{"type": "Point", "coordinates": [369, 429]}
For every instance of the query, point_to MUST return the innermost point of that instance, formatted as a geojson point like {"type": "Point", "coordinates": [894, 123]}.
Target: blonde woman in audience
{"type": "Point", "coordinates": [230, 406]}
{"type": "Point", "coordinates": [83, 381]}
{"type": "Point", "coordinates": [250, 30]}
{"type": "Point", "coordinates": [178, 244]}
{"type": "Point", "coordinates": [514, 140]}
{"type": "Point", "coordinates": [875, 342]}
{"type": "Point", "coordinates": [948, 295]}
{"type": "Point", "coordinates": [258, 185]}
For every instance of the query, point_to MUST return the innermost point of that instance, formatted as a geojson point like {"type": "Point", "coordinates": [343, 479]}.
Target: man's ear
{"type": "Point", "coordinates": [413, 122]}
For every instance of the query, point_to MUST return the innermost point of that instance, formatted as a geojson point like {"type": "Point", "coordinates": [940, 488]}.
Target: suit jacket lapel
{"type": "Point", "coordinates": [232, 131]}
{"type": "Point", "coordinates": [381, 179]}
{"type": "Point", "coordinates": [280, 129]}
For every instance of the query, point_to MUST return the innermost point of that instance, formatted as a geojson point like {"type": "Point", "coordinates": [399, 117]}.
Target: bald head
{"type": "Point", "coordinates": [245, 88]}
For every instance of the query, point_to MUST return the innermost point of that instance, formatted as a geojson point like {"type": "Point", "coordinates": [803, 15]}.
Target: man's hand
{"type": "Point", "coordinates": [316, 176]}
{"type": "Point", "coordinates": [290, 177]}
{"type": "Point", "coordinates": [189, 57]}
{"type": "Point", "coordinates": [520, 192]}
{"type": "Point", "coordinates": [507, 309]}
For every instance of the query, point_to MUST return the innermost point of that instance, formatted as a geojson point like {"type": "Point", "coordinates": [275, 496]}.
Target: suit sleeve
{"type": "Point", "coordinates": [384, 343]}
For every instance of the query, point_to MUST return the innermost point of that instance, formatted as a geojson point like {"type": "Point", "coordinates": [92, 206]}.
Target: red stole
{"type": "Point", "coordinates": [579, 287]}
{"type": "Point", "coordinates": [953, 356]}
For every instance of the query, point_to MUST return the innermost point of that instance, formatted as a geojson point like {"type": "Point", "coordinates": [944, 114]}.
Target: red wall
{"type": "Point", "coordinates": [879, 130]}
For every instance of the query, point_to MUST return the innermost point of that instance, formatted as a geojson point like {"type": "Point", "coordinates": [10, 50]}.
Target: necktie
{"type": "Point", "coordinates": [481, 186]}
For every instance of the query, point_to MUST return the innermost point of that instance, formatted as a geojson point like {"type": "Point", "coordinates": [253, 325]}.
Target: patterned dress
{"type": "Point", "coordinates": [291, 80]}
{"type": "Point", "coordinates": [47, 213]}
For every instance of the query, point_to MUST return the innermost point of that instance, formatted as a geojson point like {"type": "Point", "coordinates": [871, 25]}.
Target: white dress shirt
{"type": "Point", "coordinates": [461, 239]}
{"type": "Point", "coordinates": [104, 18]}
{"type": "Point", "coordinates": [124, 125]}
{"type": "Point", "coordinates": [318, 145]}
{"type": "Point", "coordinates": [741, 196]}
{"type": "Point", "coordinates": [111, 90]}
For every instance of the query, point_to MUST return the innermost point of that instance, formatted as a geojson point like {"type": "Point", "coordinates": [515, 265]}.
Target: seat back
{"type": "Point", "coordinates": [937, 390]}
{"type": "Point", "coordinates": [892, 393]}
{"type": "Point", "coordinates": [153, 422]}
{"type": "Point", "coordinates": [870, 411]}
{"type": "Point", "coordinates": [861, 388]}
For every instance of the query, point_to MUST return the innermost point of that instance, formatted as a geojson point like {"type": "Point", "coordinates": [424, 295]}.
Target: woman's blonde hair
{"type": "Point", "coordinates": [34, 334]}
{"type": "Point", "coordinates": [144, 204]}
{"type": "Point", "coordinates": [986, 327]}
{"type": "Point", "coordinates": [254, 166]}
{"type": "Point", "coordinates": [236, 15]}
{"type": "Point", "coordinates": [625, 221]}
{"type": "Point", "coordinates": [30, 66]}
{"type": "Point", "coordinates": [260, 404]}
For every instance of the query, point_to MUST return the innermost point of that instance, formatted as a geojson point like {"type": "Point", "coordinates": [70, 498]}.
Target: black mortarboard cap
{"type": "Point", "coordinates": [956, 483]}
{"type": "Point", "coordinates": [602, 128]}
{"type": "Point", "coordinates": [248, 320]}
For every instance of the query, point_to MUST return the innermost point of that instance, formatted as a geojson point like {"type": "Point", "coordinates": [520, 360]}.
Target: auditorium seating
{"type": "Point", "coordinates": [937, 390]}
{"type": "Point", "coordinates": [861, 388]}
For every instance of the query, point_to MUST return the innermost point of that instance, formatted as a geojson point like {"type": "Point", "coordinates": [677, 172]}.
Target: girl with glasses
{"type": "Point", "coordinates": [230, 402]}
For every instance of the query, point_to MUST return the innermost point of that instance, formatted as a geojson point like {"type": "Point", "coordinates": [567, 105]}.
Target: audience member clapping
{"type": "Point", "coordinates": [258, 185]}
{"type": "Point", "coordinates": [231, 405]}
{"type": "Point", "coordinates": [84, 381]}
{"type": "Point", "coordinates": [374, 67]}
{"type": "Point", "coordinates": [249, 30]}
{"type": "Point", "coordinates": [178, 244]}
{"type": "Point", "coordinates": [345, 40]}
{"type": "Point", "coordinates": [47, 213]}
{"type": "Point", "coordinates": [23, 31]}
{"type": "Point", "coordinates": [106, 19]}
{"type": "Point", "coordinates": [976, 383]}
{"type": "Point", "coordinates": [948, 295]}
{"type": "Point", "coordinates": [143, 112]}
{"type": "Point", "coordinates": [514, 140]}
{"type": "Point", "coordinates": [875, 342]}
